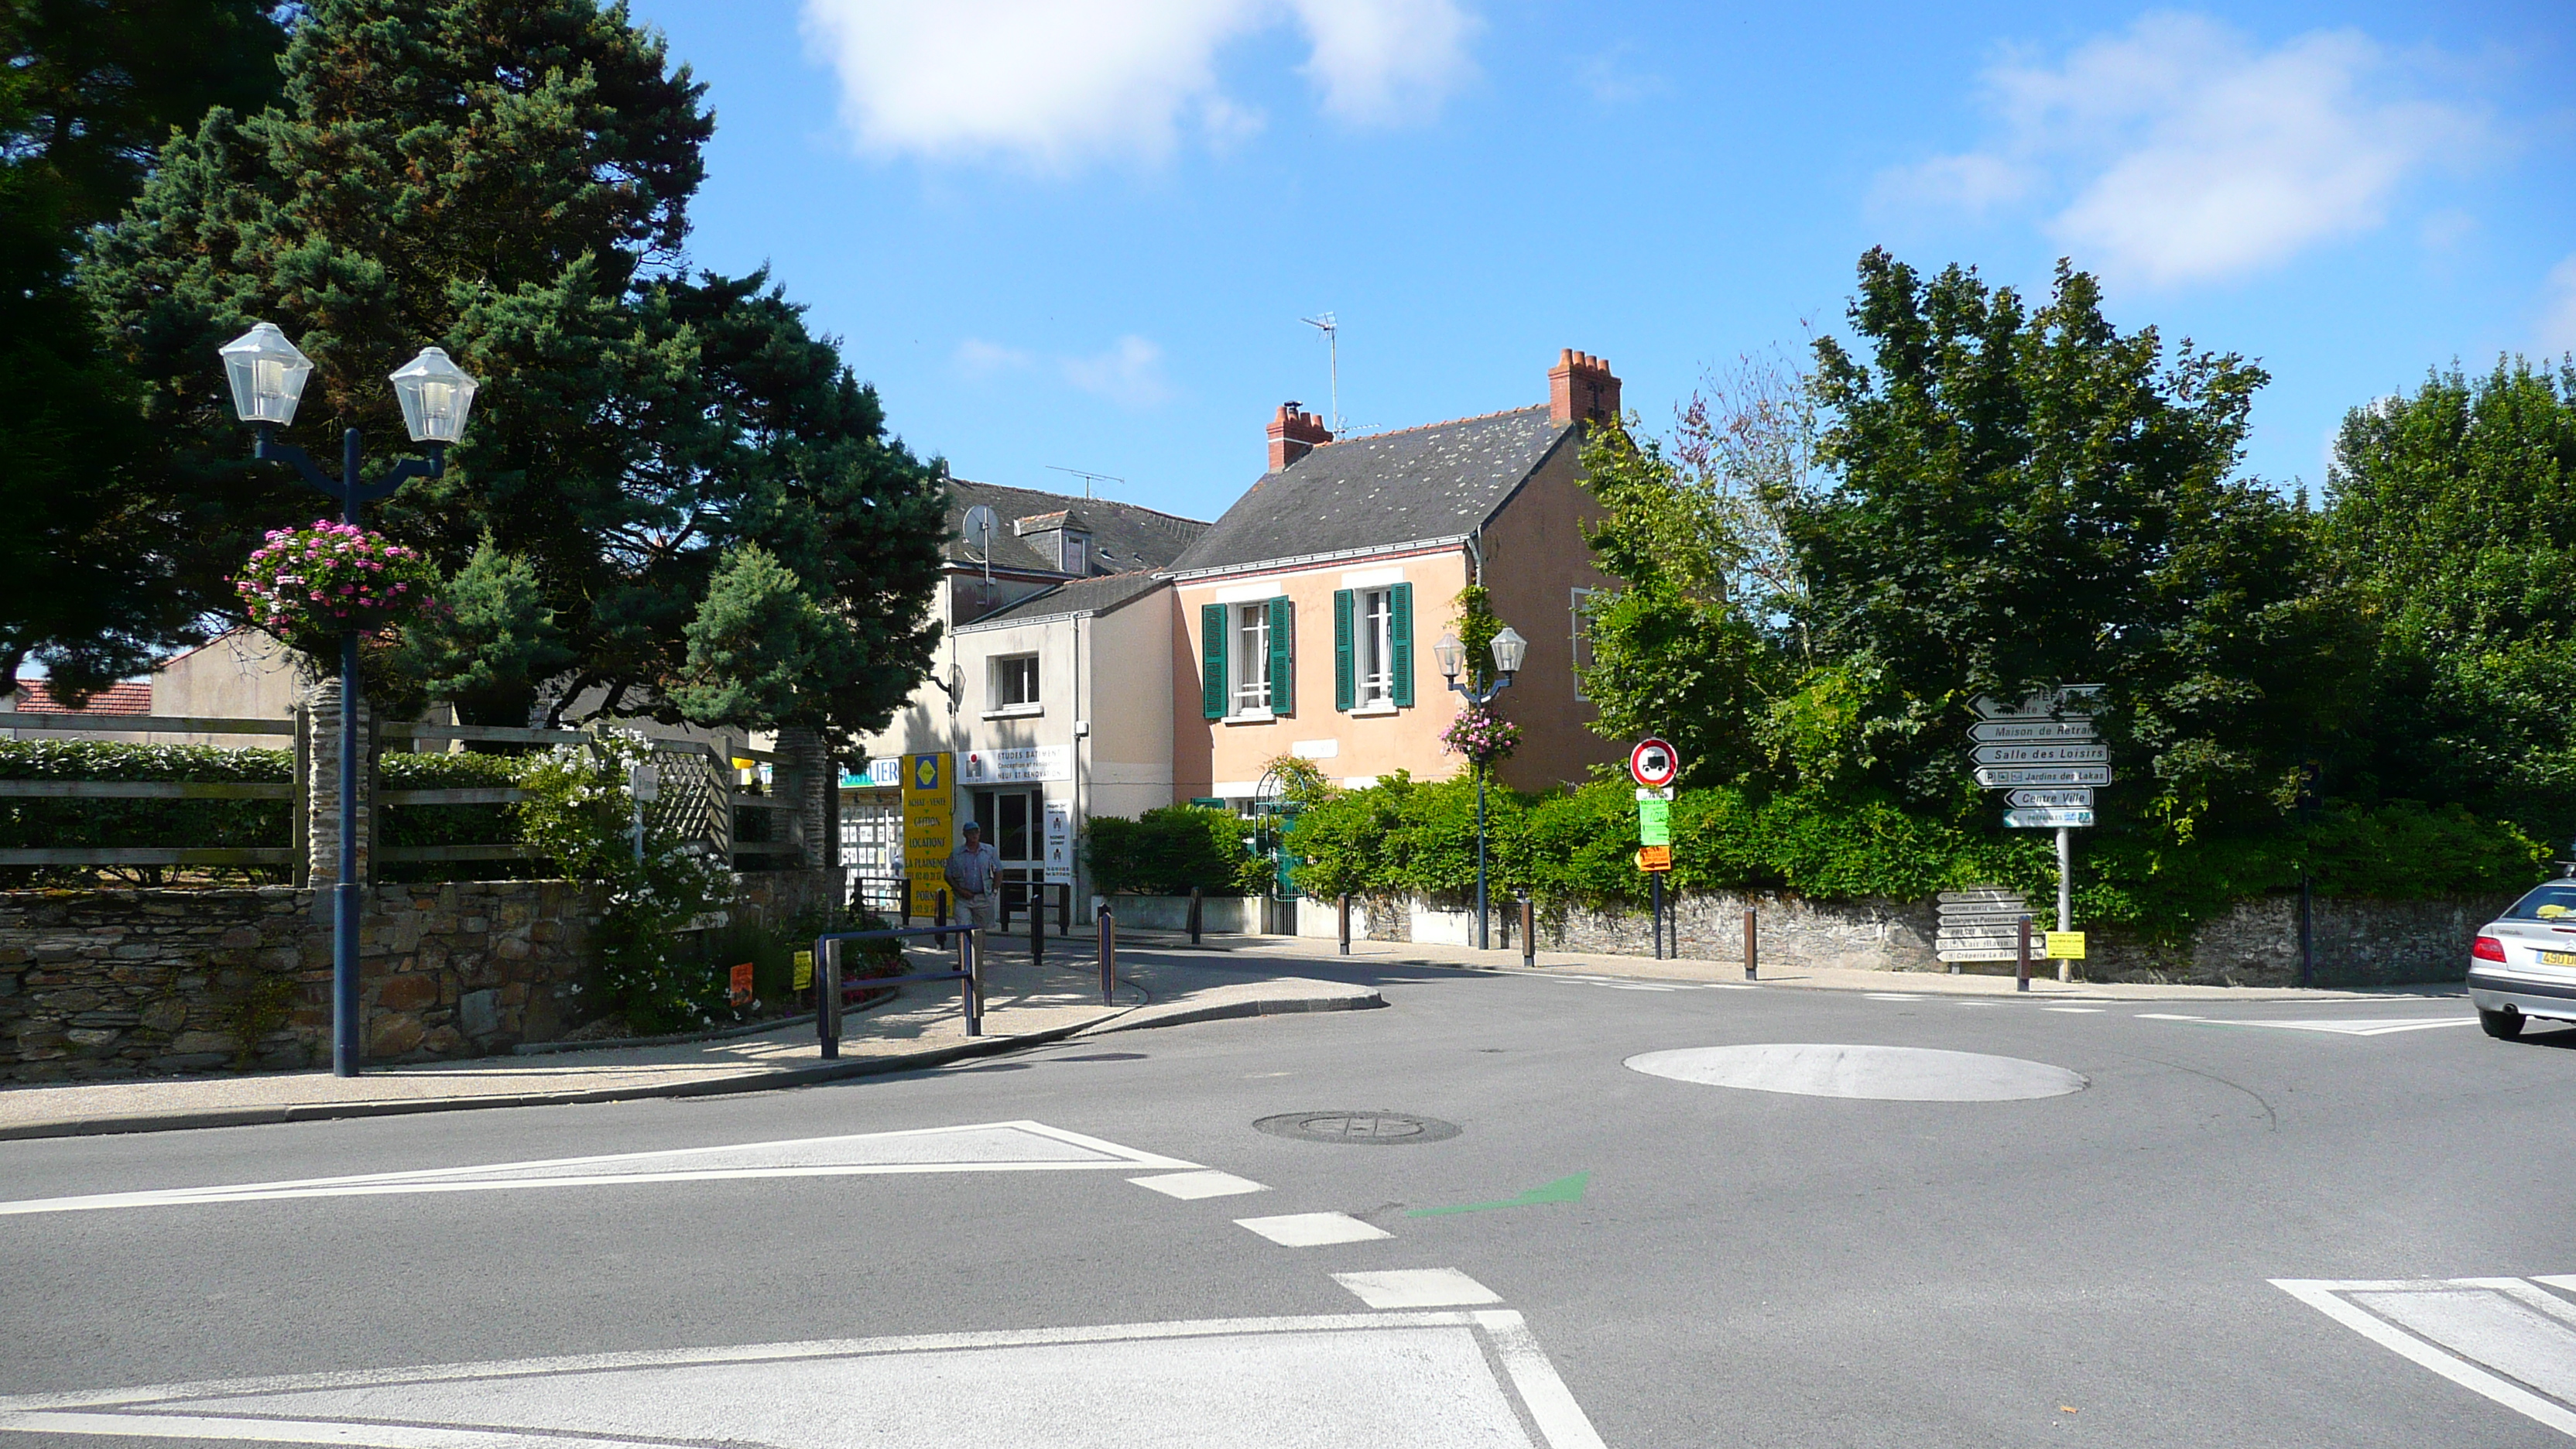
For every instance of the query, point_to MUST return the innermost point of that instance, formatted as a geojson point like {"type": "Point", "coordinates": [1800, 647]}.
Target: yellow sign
{"type": "Point", "coordinates": [804, 971]}
{"type": "Point", "coordinates": [1655, 858]}
{"type": "Point", "coordinates": [929, 823]}
{"type": "Point", "coordinates": [2065, 945]}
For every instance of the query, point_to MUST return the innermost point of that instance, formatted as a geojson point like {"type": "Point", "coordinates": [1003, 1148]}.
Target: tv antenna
{"type": "Point", "coordinates": [1331, 327]}
{"type": "Point", "coordinates": [1087, 478]}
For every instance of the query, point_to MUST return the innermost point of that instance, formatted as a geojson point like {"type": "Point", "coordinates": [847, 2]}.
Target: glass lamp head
{"type": "Point", "coordinates": [436, 395]}
{"type": "Point", "coordinates": [266, 374]}
{"type": "Point", "coordinates": [1509, 650]}
{"type": "Point", "coordinates": [1453, 656]}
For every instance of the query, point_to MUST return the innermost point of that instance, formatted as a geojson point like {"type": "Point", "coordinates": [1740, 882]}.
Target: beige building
{"type": "Point", "coordinates": [1305, 619]}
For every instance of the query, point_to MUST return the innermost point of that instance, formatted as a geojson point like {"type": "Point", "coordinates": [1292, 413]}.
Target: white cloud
{"type": "Point", "coordinates": [2181, 152]}
{"type": "Point", "coordinates": [1612, 82]}
{"type": "Point", "coordinates": [980, 359]}
{"type": "Point", "coordinates": [2558, 311]}
{"type": "Point", "coordinates": [1129, 374]}
{"type": "Point", "coordinates": [1058, 86]}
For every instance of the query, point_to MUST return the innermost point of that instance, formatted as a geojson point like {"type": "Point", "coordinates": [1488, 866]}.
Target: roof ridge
{"type": "Point", "coordinates": [1070, 498]}
{"type": "Point", "coordinates": [1420, 427]}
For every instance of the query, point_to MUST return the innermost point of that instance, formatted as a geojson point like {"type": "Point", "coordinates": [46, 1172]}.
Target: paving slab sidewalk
{"type": "Point", "coordinates": [921, 1026]}
{"type": "Point", "coordinates": [1280, 949]}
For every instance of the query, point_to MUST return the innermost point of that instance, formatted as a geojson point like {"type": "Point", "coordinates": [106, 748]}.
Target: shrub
{"type": "Point", "coordinates": [65, 823]}
{"type": "Point", "coordinates": [1169, 850]}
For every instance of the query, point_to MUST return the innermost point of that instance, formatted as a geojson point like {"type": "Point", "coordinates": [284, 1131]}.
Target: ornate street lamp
{"type": "Point", "coordinates": [1509, 650]}
{"type": "Point", "coordinates": [267, 376]}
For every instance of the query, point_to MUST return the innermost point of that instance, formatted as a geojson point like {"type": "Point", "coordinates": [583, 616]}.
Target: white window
{"type": "Point", "coordinates": [1251, 657]}
{"type": "Point", "coordinates": [1015, 681]}
{"type": "Point", "coordinates": [1581, 608]}
{"type": "Point", "coordinates": [1376, 641]}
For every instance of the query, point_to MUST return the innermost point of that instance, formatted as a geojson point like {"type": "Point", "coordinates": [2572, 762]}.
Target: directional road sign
{"type": "Point", "coordinates": [1995, 777]}
{"type": "Point", "coordinates": [2041, 754]}
{"type": "Point", "coordinates": [2076, 797]}
{"type": "Point", "coordinates": [2032, 731]}
{"type": "Point", "coordinates": [2038, 706]}
{"type": "Point", "coordinates": [2046, 819]}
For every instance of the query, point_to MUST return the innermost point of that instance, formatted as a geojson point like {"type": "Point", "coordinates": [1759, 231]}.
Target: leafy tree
{"type": "Point", "coordinates": [490, 644]}
{"type": "Point", "coordinates": [509, 179]}
{"type": "Point", "coordinates": [2452, 514]}
{"type": "Point", "coordinates": [2030, 497]}
{"type": "Point", "coordinates": [87, 89]}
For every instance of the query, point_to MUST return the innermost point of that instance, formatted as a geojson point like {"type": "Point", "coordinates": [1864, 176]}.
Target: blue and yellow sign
{"type": "Point", "coordinates": [929, 822]}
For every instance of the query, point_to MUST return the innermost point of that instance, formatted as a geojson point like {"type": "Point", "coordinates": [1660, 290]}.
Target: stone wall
{"type": "Point", "coordinates": [102, 984]}
{"type": "Point", "coordinates": [2358, 943]}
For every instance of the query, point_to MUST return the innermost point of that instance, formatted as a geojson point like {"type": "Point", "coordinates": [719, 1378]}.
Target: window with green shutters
{"type": "Point", "coordinates": [1344, 670]}
{"type": "Point", "coordinates": [1212, 677]}
{"type": "Point", "coordinates": [1399, 652]}
{"type": "Point", "coordinates": [1283, 657]}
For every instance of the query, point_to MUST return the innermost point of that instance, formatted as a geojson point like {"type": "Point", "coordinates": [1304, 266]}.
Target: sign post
{"type": "Point", "coordinates": [1654, 764]}
{"type": "Point", "coordinates": [2037, 743]}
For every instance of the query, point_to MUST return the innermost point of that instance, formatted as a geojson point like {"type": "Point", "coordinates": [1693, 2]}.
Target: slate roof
{"type": "Point", "coordinates": [1124, 537]}
{"type": "Point", "coordinates": [1438, 481]}
{"type": "Point", "coordinates": [1082, 596]}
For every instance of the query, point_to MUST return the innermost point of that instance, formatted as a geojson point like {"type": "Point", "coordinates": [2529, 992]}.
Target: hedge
{"type": "Point", "coordinates": [1167, 851]}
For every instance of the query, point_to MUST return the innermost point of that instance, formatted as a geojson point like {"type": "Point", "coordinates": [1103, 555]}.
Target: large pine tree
{"type": "Point", "coordinates": [509, 179]}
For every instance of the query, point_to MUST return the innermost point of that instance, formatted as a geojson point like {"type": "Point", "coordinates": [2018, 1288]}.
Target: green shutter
{"type": "Point", "coordinates": [1212, 679]}
{"type": "Point", "coordinates": [1283, 657]}
{"type": "Point", "coordinates": [1399, 628]}
{"type": "Point", "coordinates": [1345, 685]}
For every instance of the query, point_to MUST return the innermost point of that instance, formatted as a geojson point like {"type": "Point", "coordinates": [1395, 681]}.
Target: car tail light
{"type": "Point", "coordinates": [2488, 948]}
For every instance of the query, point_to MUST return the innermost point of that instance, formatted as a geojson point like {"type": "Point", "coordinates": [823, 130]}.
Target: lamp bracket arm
{"type": "Point", "coordinates": [434, 466]}
{"type": "Point", "coordinates": [269, 449]}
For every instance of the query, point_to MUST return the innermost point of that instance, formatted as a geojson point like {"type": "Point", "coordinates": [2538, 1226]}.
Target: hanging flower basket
{"type": "Point", "coordinates": [308, 586]}
{"type": "Point", "coordinates": [1481, 735]}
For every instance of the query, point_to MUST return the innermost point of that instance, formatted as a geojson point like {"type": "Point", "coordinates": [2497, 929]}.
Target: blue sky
{"type": "Point", "coordinates": [1083, 235]}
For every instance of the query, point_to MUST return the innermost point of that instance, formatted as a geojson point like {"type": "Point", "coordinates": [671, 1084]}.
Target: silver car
{"type": "Point", "coordinates": [2524, 962]}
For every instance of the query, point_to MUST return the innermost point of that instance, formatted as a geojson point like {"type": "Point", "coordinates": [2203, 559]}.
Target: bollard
{"type": "Point", "coordinates": [1750, 959]}
{"type": "Point", "coordinates": [1529, 931]}
{"type": "Point", "coordinates": [1037, 929]}
{"type": "Point", "coordinates": [1064, 910]}
{"type": "Point", "coordinates": [827, 997]}
{"type": "Point", "coordinates": [2021, 956]}
{"type": "Point", "coordinates": [1108, 952]}
{"type": "Point", "coordinates": [941, 919]}
{"type": "Point", "coordinates": [970, 985]}
{"type": "Point", "coordinates": [1001, 909]}
{"type": "Point", "coordinates": [1346, 925]}
{"type": "Point", "coordinates": [1194, 915]}
{"type": "Point", "coordinates": [903, 901]}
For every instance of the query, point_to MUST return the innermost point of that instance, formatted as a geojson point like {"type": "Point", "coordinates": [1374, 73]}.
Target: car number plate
{"type": "Point", "coordinates": [2558, 958]}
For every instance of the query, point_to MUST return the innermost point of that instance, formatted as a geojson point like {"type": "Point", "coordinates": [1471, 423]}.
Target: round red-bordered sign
{"type": "Point", "coordinates": [1654, 764]}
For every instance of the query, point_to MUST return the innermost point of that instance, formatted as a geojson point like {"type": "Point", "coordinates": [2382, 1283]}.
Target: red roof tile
{"type": "Point", "coordinates": [130, 696]}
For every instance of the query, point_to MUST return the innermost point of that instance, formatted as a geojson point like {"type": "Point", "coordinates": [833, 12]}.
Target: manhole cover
{"type": "Point", "coordinates": [1380, 1129]}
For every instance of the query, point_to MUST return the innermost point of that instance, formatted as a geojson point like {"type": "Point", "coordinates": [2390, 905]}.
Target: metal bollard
{"type": "Point", "coordinates": [1751, 957]}
{"type": "Point", "coordinates": [1064, 911]}
{"type": "Point", "coordinates": [827, 998]}
{"type": "Point", "coordinates": [1037, 930]}
{"type": "Point", "coordinates": [903, 901]}
{"type": "Point", "coordinates": [1346, 925]}
{"type": "Point", "coordinates": [2021, 956]}
{"type": "Point", "coordinates": [941, 919]}
{"type": "Point", "coordinates": [1194, 915]}
{"type": "Point", "coordinates": [1108, 953]}
{"type": "Point", "coordinates": [970, 986]}
{"type": "Point", "coordinates": [1529, 930]}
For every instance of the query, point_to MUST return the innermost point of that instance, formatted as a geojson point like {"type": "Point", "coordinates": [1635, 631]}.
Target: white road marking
{"type": "Point", "coordinates": [1417, 1288]}
{"type": "Point", "coordinates": [1190, 1186]}
{"type": "Point", "coordinates": [1337, 1381]}
{"type": "Point", "coordinates": [1888, 996]}
{"type": "Point", "coordinates": [2341, 1026]}
{"type": "Point", "coordinates": [1313, 1230]}
{"type": "Point", "coordinates": [2075, 1010]}
{"type": "Point", "coordinates": [2500, 1337]}
{"type": "Point", "coordinates": [982, 1147]}
{"type": "Point", "coordinates": [1875, 1073]}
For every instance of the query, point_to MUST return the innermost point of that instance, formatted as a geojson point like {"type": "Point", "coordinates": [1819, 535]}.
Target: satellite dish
{"type": "Point", "coordinates": [981, 523]}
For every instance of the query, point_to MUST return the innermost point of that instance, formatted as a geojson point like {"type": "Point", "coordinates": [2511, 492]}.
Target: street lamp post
{"type": "Point", "coordinates": [1509, 649]}
{"type": "Point", "coordinates": [267, 376]}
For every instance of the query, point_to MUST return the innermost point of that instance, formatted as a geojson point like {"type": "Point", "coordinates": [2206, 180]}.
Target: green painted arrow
{"type": "Point", "coordinates": [1564, 1189]}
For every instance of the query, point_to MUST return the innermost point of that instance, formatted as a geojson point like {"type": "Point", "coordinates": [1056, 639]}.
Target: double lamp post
{"type": "Point", "coordinates": [1509, 650]}
{"type": "Point", "coordinates": [267, 376]}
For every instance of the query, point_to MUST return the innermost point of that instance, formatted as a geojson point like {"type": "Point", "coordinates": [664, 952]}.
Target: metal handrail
{"type": "Point", "coordinates": [827, 978]}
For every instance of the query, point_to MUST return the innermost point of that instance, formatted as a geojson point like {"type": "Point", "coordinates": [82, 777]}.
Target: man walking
{"type": "Point", "coordinates": [972, 871]}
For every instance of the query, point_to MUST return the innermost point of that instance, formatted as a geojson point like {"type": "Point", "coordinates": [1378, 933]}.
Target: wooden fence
{"type": "Point", "coordinates": [698, 798]}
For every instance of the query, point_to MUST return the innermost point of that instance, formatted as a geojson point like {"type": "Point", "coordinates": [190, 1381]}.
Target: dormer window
{"type": "Point", "coordinates": [1073, 553]}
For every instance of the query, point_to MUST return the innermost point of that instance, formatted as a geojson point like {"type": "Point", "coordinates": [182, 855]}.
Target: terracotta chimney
{"type": "Point", "coordinates": [1580, 387]}
{"type": "Point", "coordinates": [1294, 434]}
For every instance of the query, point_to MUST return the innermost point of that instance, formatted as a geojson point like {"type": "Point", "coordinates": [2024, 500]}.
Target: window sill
{"type": "Point", "coordinates": [1249, 717]}
{"type": "Point", "coordinates": [1015, 711]}
{"type": "Point", "coordinates": [1376, 711]}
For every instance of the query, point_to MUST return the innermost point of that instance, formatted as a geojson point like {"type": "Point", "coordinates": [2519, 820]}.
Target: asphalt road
{"type": "Point", "coordinates": [1698, 1264]}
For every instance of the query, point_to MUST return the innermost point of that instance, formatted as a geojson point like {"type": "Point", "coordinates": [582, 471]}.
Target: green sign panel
{"type": "Point", "coordinates": [1654, 822]}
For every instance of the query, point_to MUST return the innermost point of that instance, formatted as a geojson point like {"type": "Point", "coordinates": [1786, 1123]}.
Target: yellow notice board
{"type": "Point", "coordinates": [929, 823]}
{"type": "Point", "coordinates": [2065, 946]}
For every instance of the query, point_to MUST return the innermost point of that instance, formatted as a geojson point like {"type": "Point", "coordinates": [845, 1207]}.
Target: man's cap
{"type": "Point", "coordinates": [969, 825]}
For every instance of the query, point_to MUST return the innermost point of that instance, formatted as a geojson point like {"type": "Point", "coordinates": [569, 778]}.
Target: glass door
{"type": "Point", "coordinates": [1012, 825]}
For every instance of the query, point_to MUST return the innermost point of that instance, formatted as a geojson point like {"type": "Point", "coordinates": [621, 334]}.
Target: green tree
{"type": "Point", "coordinates": [87, 89]}
{"type": "Point", "coordinates": [2452, 514]}
{"type": "Point", "coordinates": [2029, 497]}
{"type": "Point", "coordinates": [509, 179]}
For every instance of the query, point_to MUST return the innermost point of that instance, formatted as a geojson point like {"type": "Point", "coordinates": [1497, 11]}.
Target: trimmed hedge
{"type": "Point", "coordinates": [1167, 851]}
